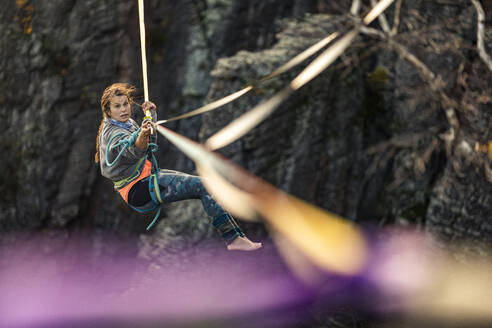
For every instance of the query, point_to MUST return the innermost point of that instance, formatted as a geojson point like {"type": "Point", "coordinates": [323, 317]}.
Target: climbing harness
{"type": "Point", "coordinates": [141, 172]}
{"type": "Point", "coordinates": [147, 168]}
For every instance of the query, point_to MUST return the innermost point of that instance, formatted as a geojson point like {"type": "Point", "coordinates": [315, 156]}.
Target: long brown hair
{"type": "Point", "coordinates": [116, 89]}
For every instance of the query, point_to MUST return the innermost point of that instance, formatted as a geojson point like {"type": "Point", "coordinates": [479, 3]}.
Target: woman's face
{"type": "Point", "coordinates": [119, 108]}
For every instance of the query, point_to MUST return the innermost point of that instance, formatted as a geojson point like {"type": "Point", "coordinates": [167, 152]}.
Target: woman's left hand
{"type": "Point", "coordinates": [148, 105]}
{"type": "Point", "coordinates": [143, 137]}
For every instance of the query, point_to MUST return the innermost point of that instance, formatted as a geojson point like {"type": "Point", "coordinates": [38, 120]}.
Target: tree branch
{"type": "Point", "coordinates": [354, 10]}
{"type": "Point", "coordinates": [396, 20]}
{"type": "Point", "coordinates": [480, 34]}
{"type": "Point", "coordinates": [435, 83]}
{"type": "Point", "coordinates": [382, 19]}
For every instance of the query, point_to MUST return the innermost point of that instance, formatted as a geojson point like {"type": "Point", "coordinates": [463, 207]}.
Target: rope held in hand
{"type": "Point", "coordinates": [148, 116]}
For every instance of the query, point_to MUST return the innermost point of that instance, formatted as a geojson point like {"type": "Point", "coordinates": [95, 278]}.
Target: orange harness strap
{"type": "Point", "coordinates": [146, 171]}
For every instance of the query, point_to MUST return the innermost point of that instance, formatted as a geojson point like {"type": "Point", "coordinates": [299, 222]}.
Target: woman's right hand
{"type": "Point", "coordinates": [148, 105]}
{"type": "Point", "coordinates": [143, 137]}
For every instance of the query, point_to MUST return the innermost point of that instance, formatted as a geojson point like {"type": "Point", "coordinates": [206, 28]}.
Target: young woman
{"type": "Point", "coordinates": [125, 156]}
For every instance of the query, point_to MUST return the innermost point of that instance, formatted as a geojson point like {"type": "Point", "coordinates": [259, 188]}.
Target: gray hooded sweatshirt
{"type": "Point", "coordinates": [129, 159]}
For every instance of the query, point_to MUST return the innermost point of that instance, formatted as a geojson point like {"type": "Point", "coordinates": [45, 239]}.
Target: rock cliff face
{"type": "Point", "coordinates": [366, 139]}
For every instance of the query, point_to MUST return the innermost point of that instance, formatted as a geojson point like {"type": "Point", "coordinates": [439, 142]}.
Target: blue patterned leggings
{"type": "Point", "coordinates": [176, 186]}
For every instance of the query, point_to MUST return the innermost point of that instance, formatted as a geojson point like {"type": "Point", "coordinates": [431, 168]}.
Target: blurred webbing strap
{"type": "Point", "coordinates": [211, 106]}
{"type": "Point", "coordinates": [301, 57]}
{"type": "Point", "coordinates": [142, 48]}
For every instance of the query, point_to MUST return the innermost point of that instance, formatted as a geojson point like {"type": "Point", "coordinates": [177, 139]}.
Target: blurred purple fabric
{"type": "Point", "coordinates": [71, 284]}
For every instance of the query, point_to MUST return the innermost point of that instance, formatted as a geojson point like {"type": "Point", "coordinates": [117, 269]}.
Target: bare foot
{"type": "Point", "coordinates": [243, 244]}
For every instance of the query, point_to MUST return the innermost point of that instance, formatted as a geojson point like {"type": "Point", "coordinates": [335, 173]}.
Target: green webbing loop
{"type": "Point", "coordinates": [135, 174]}
{"type": "Point", "coordinates": [156, 188]}
{"type": "Point", "coordinates": [155, 218]}
{"type": "Point", "coordinates": [127, 142]}
{"type": "Point", "coordinates": [153, 178]}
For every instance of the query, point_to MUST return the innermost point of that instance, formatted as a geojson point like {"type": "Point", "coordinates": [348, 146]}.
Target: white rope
{"type": "Point", "coordinates": [480, 34]}
{"type": "Point", "coordinates": [144, 58]}
{"type": "Point", "coordinates": [142, 48]}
